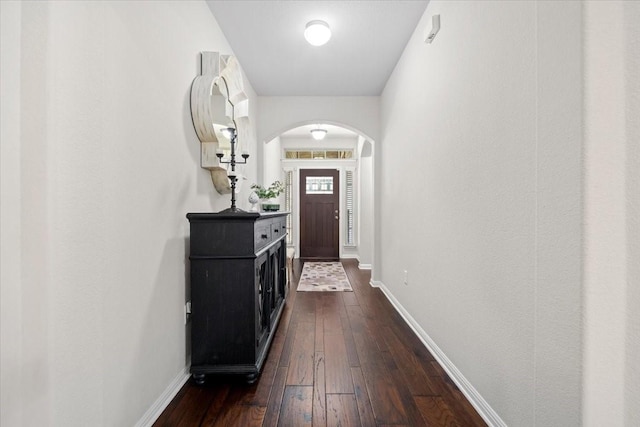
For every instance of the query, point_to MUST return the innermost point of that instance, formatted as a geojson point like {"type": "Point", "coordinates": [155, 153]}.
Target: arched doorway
{"type": "Point", "coordinates": [344, 149]}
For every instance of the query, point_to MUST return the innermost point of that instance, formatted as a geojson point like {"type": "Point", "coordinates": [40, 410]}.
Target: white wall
{"type": "Point", "coordinates": [101, 163]}
{"type": "Point", "coordinates": [11, 321]}
{"type": "Point", "coordinates": [482, 129]}
{"type": "Point", "coordinates": [631, 17]}
{"type": "Point", "coordinates": [365, 208]}
{"type": "Point", "coordinates": [271, 157]}
{"type": "Point", "coordinates": [612, 198]}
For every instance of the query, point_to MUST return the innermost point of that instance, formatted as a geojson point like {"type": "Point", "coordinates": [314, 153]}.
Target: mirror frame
{"type": "Point", "coordinates": [220, 76]}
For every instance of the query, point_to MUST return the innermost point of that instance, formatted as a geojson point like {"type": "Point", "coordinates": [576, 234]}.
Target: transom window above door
{"type": "Point", "coordinates": [319, 154]}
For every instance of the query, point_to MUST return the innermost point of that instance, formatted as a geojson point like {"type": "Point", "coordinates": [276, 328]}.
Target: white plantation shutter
{"type": "Point", "coordinates": [350, 238]}
{"type": "Point", "coordinates": [288, 190]}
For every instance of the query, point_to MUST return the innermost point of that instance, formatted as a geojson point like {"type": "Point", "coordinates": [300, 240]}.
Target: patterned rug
{"type": "Point", "coordinates": [323, 277]}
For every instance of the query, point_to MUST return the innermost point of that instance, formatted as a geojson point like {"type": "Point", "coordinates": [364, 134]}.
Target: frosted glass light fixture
{"type": "Point", "coordinates": [318, 133]}
{"type": "Point", "coordinates": [317, 33]}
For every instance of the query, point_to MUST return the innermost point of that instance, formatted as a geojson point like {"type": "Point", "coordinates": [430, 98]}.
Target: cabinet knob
{"type": "Point", "coordinates": [264, 236]}
{"type": "Point", "coordinates": [276, 230]}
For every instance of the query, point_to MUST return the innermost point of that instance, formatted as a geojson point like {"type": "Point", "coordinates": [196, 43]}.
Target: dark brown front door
{"type": "Point", "coordinates": [319, 213]}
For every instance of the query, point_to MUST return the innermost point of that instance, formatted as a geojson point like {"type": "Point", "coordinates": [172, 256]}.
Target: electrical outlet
{"type": "Point", "coordinates": [187, 312]}
{"type": "Point", "coordinates": [406, 277]}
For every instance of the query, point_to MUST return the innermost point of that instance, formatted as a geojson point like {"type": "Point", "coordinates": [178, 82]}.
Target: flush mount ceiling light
{"type": "Point", "coordinates": [318, 133]}
{"type": "Point", "coordinates": [317, 33]}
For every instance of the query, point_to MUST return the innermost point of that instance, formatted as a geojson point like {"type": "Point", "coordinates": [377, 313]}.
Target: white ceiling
{"type": "Point", "coordinates": [368, 39]}
{"type": "Point", "coordinates": [332, 132]}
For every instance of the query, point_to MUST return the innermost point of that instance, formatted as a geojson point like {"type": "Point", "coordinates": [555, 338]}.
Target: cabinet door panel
{"type": "Point", "coordinates": [262, 306]}
{"type": "Point", "coordinates": [281, 279]}
{"type": "Point", "coordinates": [221, 311]}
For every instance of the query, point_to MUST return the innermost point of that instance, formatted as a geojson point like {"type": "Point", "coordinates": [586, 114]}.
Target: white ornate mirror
{"type": "Point", "coordinates": [218, 101]}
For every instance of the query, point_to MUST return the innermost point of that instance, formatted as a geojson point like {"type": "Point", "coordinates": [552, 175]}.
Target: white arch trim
{"type": "Point", "coordinates": [316, 121]}
{"type": "Point", "coordinates": [373, 201]}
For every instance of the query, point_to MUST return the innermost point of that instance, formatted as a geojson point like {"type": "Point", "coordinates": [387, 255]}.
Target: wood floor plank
{"type": "Point", "coordinates": [337, 369]}
{"type": "Point", "coordinates": [305, 308]}
{"type": "Point", "coordinates": [352, 352]}
{"type": "Point", "coordinates": [240, 415]}
{"type": "Point", "coordinates": [215, 408]}
{"type": "Point", "coordinates": [414, 418]}
{"type": "Point", "coordinates": [319, 392]}
{"type": "Point", "coordinates": [231, 410]}
{"type": "Point", "coordinates": [410, 368]}
{"type": "Point", "coordinates": [465, 410]}
{"type": "Point", "coordinates": [411, 340]}
{"type": "Point", "coordinates": [287, 347]}
{"type": "Point", "coordinates": [456, 400]}
{"type": "Point", "coordinates": [275, 399]}
{"type": "Point", "coordinates": [385, 399]}
{"type": "Point", "coordinates": [350, 298]}
{"type": "Point", "coordinates": [438, 370]}
{"type": "Point", "coordinates": [257, 394]}
{"type": "Point", "coordinates": [297, 407]}
{"type": "Point", "coordinates": [319, 345]}
{"type": "Point", "coordinates": [287, 312]}
{"type": "Point", "coordinates": [436, 412]}
{"type": "Point", "coordinates": [366, 322]}
{"type": "Point", "coordinates": [192, 407]}
{"type": "Point", "coordinates": [301, 364]}
{"type": "Point", "coordinates": [362, 398]}
{"type": "Point", "coordinates": [342, 410]}
{"type": "Point", "coordinates": [332, 305]}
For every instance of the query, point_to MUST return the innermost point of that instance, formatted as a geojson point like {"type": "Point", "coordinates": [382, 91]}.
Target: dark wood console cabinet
{"type": "Point", "coordinates": [238, 289]}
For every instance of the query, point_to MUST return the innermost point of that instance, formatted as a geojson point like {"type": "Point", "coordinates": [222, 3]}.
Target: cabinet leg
{"type": "Point", "coordinates": [251, 378]}
{"type": "Point", "coordinates": [199, 379]}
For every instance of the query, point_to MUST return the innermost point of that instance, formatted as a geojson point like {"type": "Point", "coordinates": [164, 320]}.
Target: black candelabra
{"type": "Point", "coordinates": [233, 162]}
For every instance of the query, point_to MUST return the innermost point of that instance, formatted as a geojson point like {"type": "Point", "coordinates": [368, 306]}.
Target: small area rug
{"type": "Point", "coordinates": [323, 277]}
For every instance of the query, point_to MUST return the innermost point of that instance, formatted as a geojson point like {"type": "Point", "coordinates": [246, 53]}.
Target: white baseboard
{"type": "Point", "coordinates": [163, 401]}
{"type": "Point", "coordinates": [378, 284]}
{"type": "Point", "coordinates": [364, 266]}
{"type": "Point", "coordinates": [478, 402]}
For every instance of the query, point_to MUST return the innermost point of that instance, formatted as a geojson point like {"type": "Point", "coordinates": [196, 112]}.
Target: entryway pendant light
{"type": "Point", "coordinates": [317, 33]}
{"type": "Point", "coordinates": [318, 133]}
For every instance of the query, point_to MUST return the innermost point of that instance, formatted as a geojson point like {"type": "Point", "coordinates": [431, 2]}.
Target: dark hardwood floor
{"type": "Point", "coordinates": [337, 359]}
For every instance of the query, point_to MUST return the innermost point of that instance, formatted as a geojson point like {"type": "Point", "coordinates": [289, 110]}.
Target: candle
{"type": "Point", "coordinates": [219, 151]}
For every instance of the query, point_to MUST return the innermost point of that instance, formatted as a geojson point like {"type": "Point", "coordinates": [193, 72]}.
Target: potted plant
{"type": "Point", "coordinates": [266, 194]}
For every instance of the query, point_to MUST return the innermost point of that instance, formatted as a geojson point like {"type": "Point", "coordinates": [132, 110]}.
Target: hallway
{"type": "Point", "coordinates": [343, 358]}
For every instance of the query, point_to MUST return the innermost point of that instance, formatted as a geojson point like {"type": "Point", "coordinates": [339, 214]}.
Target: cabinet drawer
{"type": "Point", "coordinates": [278, 229]}
{"type": "Point", "coordinates": [263, 235]}
{"type": "Point", "coordinates": [281, 225]}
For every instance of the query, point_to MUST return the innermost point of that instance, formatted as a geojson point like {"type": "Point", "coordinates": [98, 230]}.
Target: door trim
{"type": "Point", "coordinates": [335, 252]}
